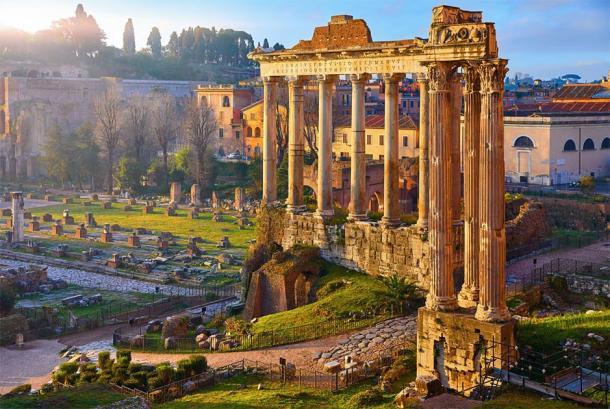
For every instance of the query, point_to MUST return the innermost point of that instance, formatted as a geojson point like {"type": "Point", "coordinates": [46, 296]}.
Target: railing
{"type": "Point", "coordinates": [266, 339]}
{"type": "Point", "coordinates": [555, 243]}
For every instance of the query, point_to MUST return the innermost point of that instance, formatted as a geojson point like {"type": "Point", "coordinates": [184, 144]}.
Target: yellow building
{"type": "Point", "coordinates": [374, 131]}
{"type": "Point", "coordinates": [227, 101]}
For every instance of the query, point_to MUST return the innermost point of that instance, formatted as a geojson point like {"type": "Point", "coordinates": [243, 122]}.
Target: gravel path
{"type": "Point", "coordinates": [101, 281]}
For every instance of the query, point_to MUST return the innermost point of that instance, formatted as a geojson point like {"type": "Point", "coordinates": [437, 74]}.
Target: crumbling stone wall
{"type": "Point", "coordinates": [283, 283]}
{"type": "Point", "coordinates": [573, 215]}
{"type": "Point", "coordinates": [10, 326]}
{"type": "Point", "coordinates": [529, 227]}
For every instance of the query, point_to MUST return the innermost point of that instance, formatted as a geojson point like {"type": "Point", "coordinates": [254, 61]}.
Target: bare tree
{"type": "Point", "coordinates": [107, 112]}
{"type": "Point", "coordinates": [137, 123]}
{"type": "Point", "coordinates": [310, 126]}
{"type": "Point", "coordinates": [200, 124]}
{"type": "Point", "coordinates": [165, 127]}
{"type": "Point", "coordinates": [281, 123]}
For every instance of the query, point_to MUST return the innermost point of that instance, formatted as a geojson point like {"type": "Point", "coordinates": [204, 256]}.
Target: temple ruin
{"type": "Point", "coordinates": [461, 51]}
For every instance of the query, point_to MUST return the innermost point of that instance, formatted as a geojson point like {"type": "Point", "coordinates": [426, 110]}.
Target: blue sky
{"type": "Point", "coordinates": [542, 37]}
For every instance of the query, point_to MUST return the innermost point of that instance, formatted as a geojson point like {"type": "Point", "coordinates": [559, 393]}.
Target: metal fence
{"type": "Point", "coordinates": [266, 339]}
{"type": "Point", "coordinates": [567, 241]}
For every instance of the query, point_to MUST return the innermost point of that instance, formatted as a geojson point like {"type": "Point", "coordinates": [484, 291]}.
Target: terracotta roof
{"type": "Point", "coordinates": [558, 107]}
{"type": "Point", "coordinates": [375, 121]}
{"type": "Point", "coordinates": [578, 91]}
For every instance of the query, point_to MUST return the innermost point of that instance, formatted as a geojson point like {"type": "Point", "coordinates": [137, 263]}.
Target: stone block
{"type": "Point", "coordinates": [428, 386]}
{"type": "Point", "coordinates": [107, 205]}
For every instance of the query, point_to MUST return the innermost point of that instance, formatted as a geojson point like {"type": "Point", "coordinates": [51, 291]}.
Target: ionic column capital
{"type": "Point", "coordinates": [359, 78]}
{"type": "Point", "coordinates": [327, 78]}
{"type": "Point", "coordinates": [492, 75]}
{"type": "Point", "coordinates": [392, 77]}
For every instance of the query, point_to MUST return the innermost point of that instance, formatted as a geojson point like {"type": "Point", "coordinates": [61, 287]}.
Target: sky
{"type": "Point", "coordinates": [545, 38]}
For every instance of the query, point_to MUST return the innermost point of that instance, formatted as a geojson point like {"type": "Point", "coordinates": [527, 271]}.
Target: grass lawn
{"type": "Point", "coordinates": [111, 301]}
{"type": "Point", "coordinates": [514, 398]}
{"type": "Point", "coordinates": [86, 396]}
{"type": "Point", "coordinates": [545, 334]}
{"type": "Point", "coordinates": [353, 294]}
{"type": "Point", "coordinates": [229, 395]}
{"type": "Point", "coordinates": [157, 222]}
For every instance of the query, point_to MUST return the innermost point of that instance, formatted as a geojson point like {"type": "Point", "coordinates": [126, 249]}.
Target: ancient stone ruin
{"type": "Point", "coordinates": [175, 194]}
{"type": "Point", "coordinates": [448, 339]}
{"type": "Point", "coordinates": [17, 209]}
{"type": "Point", "coordinates": [195, 195]}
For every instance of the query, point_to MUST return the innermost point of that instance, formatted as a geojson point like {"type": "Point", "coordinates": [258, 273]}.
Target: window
{"type": "Point", "coordinates": [405, 141]}
{"type": "Point", "coordinates": [523, 142]}
{"type": "Point", "coordinates": [226, 102]}
{"type": "Point", "coordinates": [368, 157]}
{"type": "Point", "coordinates": [411, 104]}
{"type": "Point", "coordinates": [380, 139]}
{"type": "Point", "coordinates": [404, 104]}
{"type": "Point", "coordinates": [344, 138]}
{"type": "Point", "coordinates": [221, 133]}
{"type": "Point", "coordinates": [605, 143]}
{"type": "Point", "coordinates": [257, 132]}
{"type": "Point", "coordinates": [237, 134]}
{"type": "Point", "coordinates": [252, 116]}
{"type": "Point", "coordinates": [588, 145]}
{"type": "Point", "coordinates": [368, 139]}
{"type": "Point", "coordinates": [569, 146]}
{"type": "Point", "coordinates": [249, 132]}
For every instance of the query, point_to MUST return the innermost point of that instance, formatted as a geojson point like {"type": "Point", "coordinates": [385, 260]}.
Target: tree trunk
{"type": "Point", "coordinates": [165, 168]}
{"type": "Point", "coordinates": [110, 157]}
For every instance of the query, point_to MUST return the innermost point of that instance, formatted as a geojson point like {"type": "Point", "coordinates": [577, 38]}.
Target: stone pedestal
{"type": "Point", "coordinates": [107, 205]}
{"type": "Point", "coordinates": [57, 229]}
{"type": "Point", "coordinates": [147, 209]}
{"type": "Point", "coordinates": [170, 211]}
{"type": "Point", "coordinates": [106, 236]}
{"type": "Point", "coordinates": [47, 218]}
{"type": "Point", "coordinates": [81, 232]}
{"type": "Point", "coordinates": [132, 202]}
{"type": "Point", "coordinates": [90, 220]}
{"type": "Point", "coordinates": [34, 226]}
{"type": "Point", "coordinates": [195, 195]}
{"type": "Point", "coordinates": [451, 346]}
{"type": "Point", "coordinates": [162, 244]}
{"type": "Point", "coordinates": [175, 194]}
{"type": "Point", "coordinates": [133, 240]}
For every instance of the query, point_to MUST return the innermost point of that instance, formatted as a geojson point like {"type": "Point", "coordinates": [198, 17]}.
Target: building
{"type": "Point", "coordinates": [560, 141]}
{"type": "Point", "coordinates": [31, 106]}
{"type": "Point", "coordinates": [374, 143]}
{"type": "Point", "coordinates": [227, 102]}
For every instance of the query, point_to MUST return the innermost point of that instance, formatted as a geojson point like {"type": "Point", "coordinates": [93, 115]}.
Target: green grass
{"type": "Point", "coordinates": [353, 297]}
{"type": "Point", "coordinates": [229, 395]}
{"type": "Point", "coordinates": [514, 398]}
{"type": "Point", "coordinates": [157, 222]}
{"type": "Point", "coordinates": [546, 334]}
{"type": "Point", "coordinates": [86, 396]}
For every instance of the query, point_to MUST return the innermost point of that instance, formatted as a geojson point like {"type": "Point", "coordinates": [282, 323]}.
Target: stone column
{"type": "Point", "coordinates": [325, 152]}
{"type": "Point", "coordinates": [456, 171]}
{"type": "Point", "coordinates": [442, 294]}
{"type": "Point", "coordinates": [195, 195]}
{"type": "Point", "coordinates": [17, 215]}
{"type": "Point", "coordinates": [269, 139]}
{"type": "Point", "coordinates": [357, 204]}
{"type": "Point", "coordinates": [469, 294]}
{"type": "Point", "coordinates": [391, 182]}
{"type": "Point", "coordinates": [295, 145]}
{"type": "Point", "coordinates": [424, 140]}
{"type": "Point", "coordinates": [492, 275]}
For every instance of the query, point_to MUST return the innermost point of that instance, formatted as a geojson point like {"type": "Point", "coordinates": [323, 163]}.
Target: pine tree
{"type": "Point", "coordinates": [129, 40]}
{"type": "Point", "coordinates": [154, 42]}
{"type": "Point", "coordinates": [265, 43]}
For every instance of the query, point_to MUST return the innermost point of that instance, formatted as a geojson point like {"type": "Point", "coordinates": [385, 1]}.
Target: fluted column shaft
{"type": "Point", "coordinates": [269, 139]}
{"type": "Point", "coordinates": [424, 139]}
{"type": "Point", "coordinates": [325, 129]}
{"type": "Point", "coordinates": [469, 293]}
{"type": "Point", "coordinates": [456, 108]}
{"type": "Point", "coordinates": [391, 182]}
{"type": "Point", "coordinates": [442, 294]}
{"type": "Point", "coordinates": [357, 204]}
{"type": "Point", "coordinates": [295, 145]}
{"type": "Point", "coordinates": [492, 275]}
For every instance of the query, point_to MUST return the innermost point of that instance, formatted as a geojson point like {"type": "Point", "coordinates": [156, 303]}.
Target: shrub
{"type": "Point", "coordinates": [409, 219]}
{"type": "Point", "coordinates": [18, 391]}
{"type": "Point", "coordinates": [236, 326]}
{"type": "Point", "coordinates": [88, 373]}
{"type": "Point", "coordinates": [154, 382]}
{"type": "Point", "coordinates": [185, 366]}
{"type": "Point", "coordinates": [137, 380]}
{"type": "Point", "coordinates": [8, 298]}
{"type": "Point", "coordinates": [46, 388]}
{"type": "Point", "coordinates": [199, 364]}
{"type": "Point", "coordinates": [123, 353]}
{"type": "Point", "coordinates": [104, 361]}
{"type": "Point", "coordinates": [119, 375]}
{"type": "Point", "coordinates": [66, 374]}
{"type": "Point", "coordinates": [366, 398]}
{"type": "Point", "coordinates": [165, 372]}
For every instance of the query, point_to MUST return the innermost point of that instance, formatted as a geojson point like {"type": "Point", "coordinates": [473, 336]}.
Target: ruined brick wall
{"type": "Point", "coordinates": [573, 215]}
{"type": "Point", "coordinates": [10, 326]}
{"type": "Point", "coordinates": [529, 227]}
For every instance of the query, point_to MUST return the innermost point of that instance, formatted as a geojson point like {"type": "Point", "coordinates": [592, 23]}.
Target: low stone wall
{"type": "Point", "coordinates": [581, 284]}
{"type": "Point", "coordinates": [570, 214]}
{"type": "Point", "coordinates": [10, 326]}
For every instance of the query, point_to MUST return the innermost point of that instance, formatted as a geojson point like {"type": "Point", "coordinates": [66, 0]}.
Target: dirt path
{"type": "Point", "coordinates": [595, 253]}
{"type": "Point", "coordinates": [300, 354]}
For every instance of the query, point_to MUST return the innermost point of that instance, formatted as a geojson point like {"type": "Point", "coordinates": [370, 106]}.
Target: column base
{"type": "Point", "coordinates": [468, 297]}
{"type": "Point", "coordinates": [324, 214]}
{"type": "Point", "coordinates": [296, 209]}
{"type": "Point", "coordinates": [489, 314]}
{"type": "Point", "coordinates": [441, 303]}
{"type": "Point", "coordinates": [389, 222]}
{"type": "Point", "coordinates": [357, 217]}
